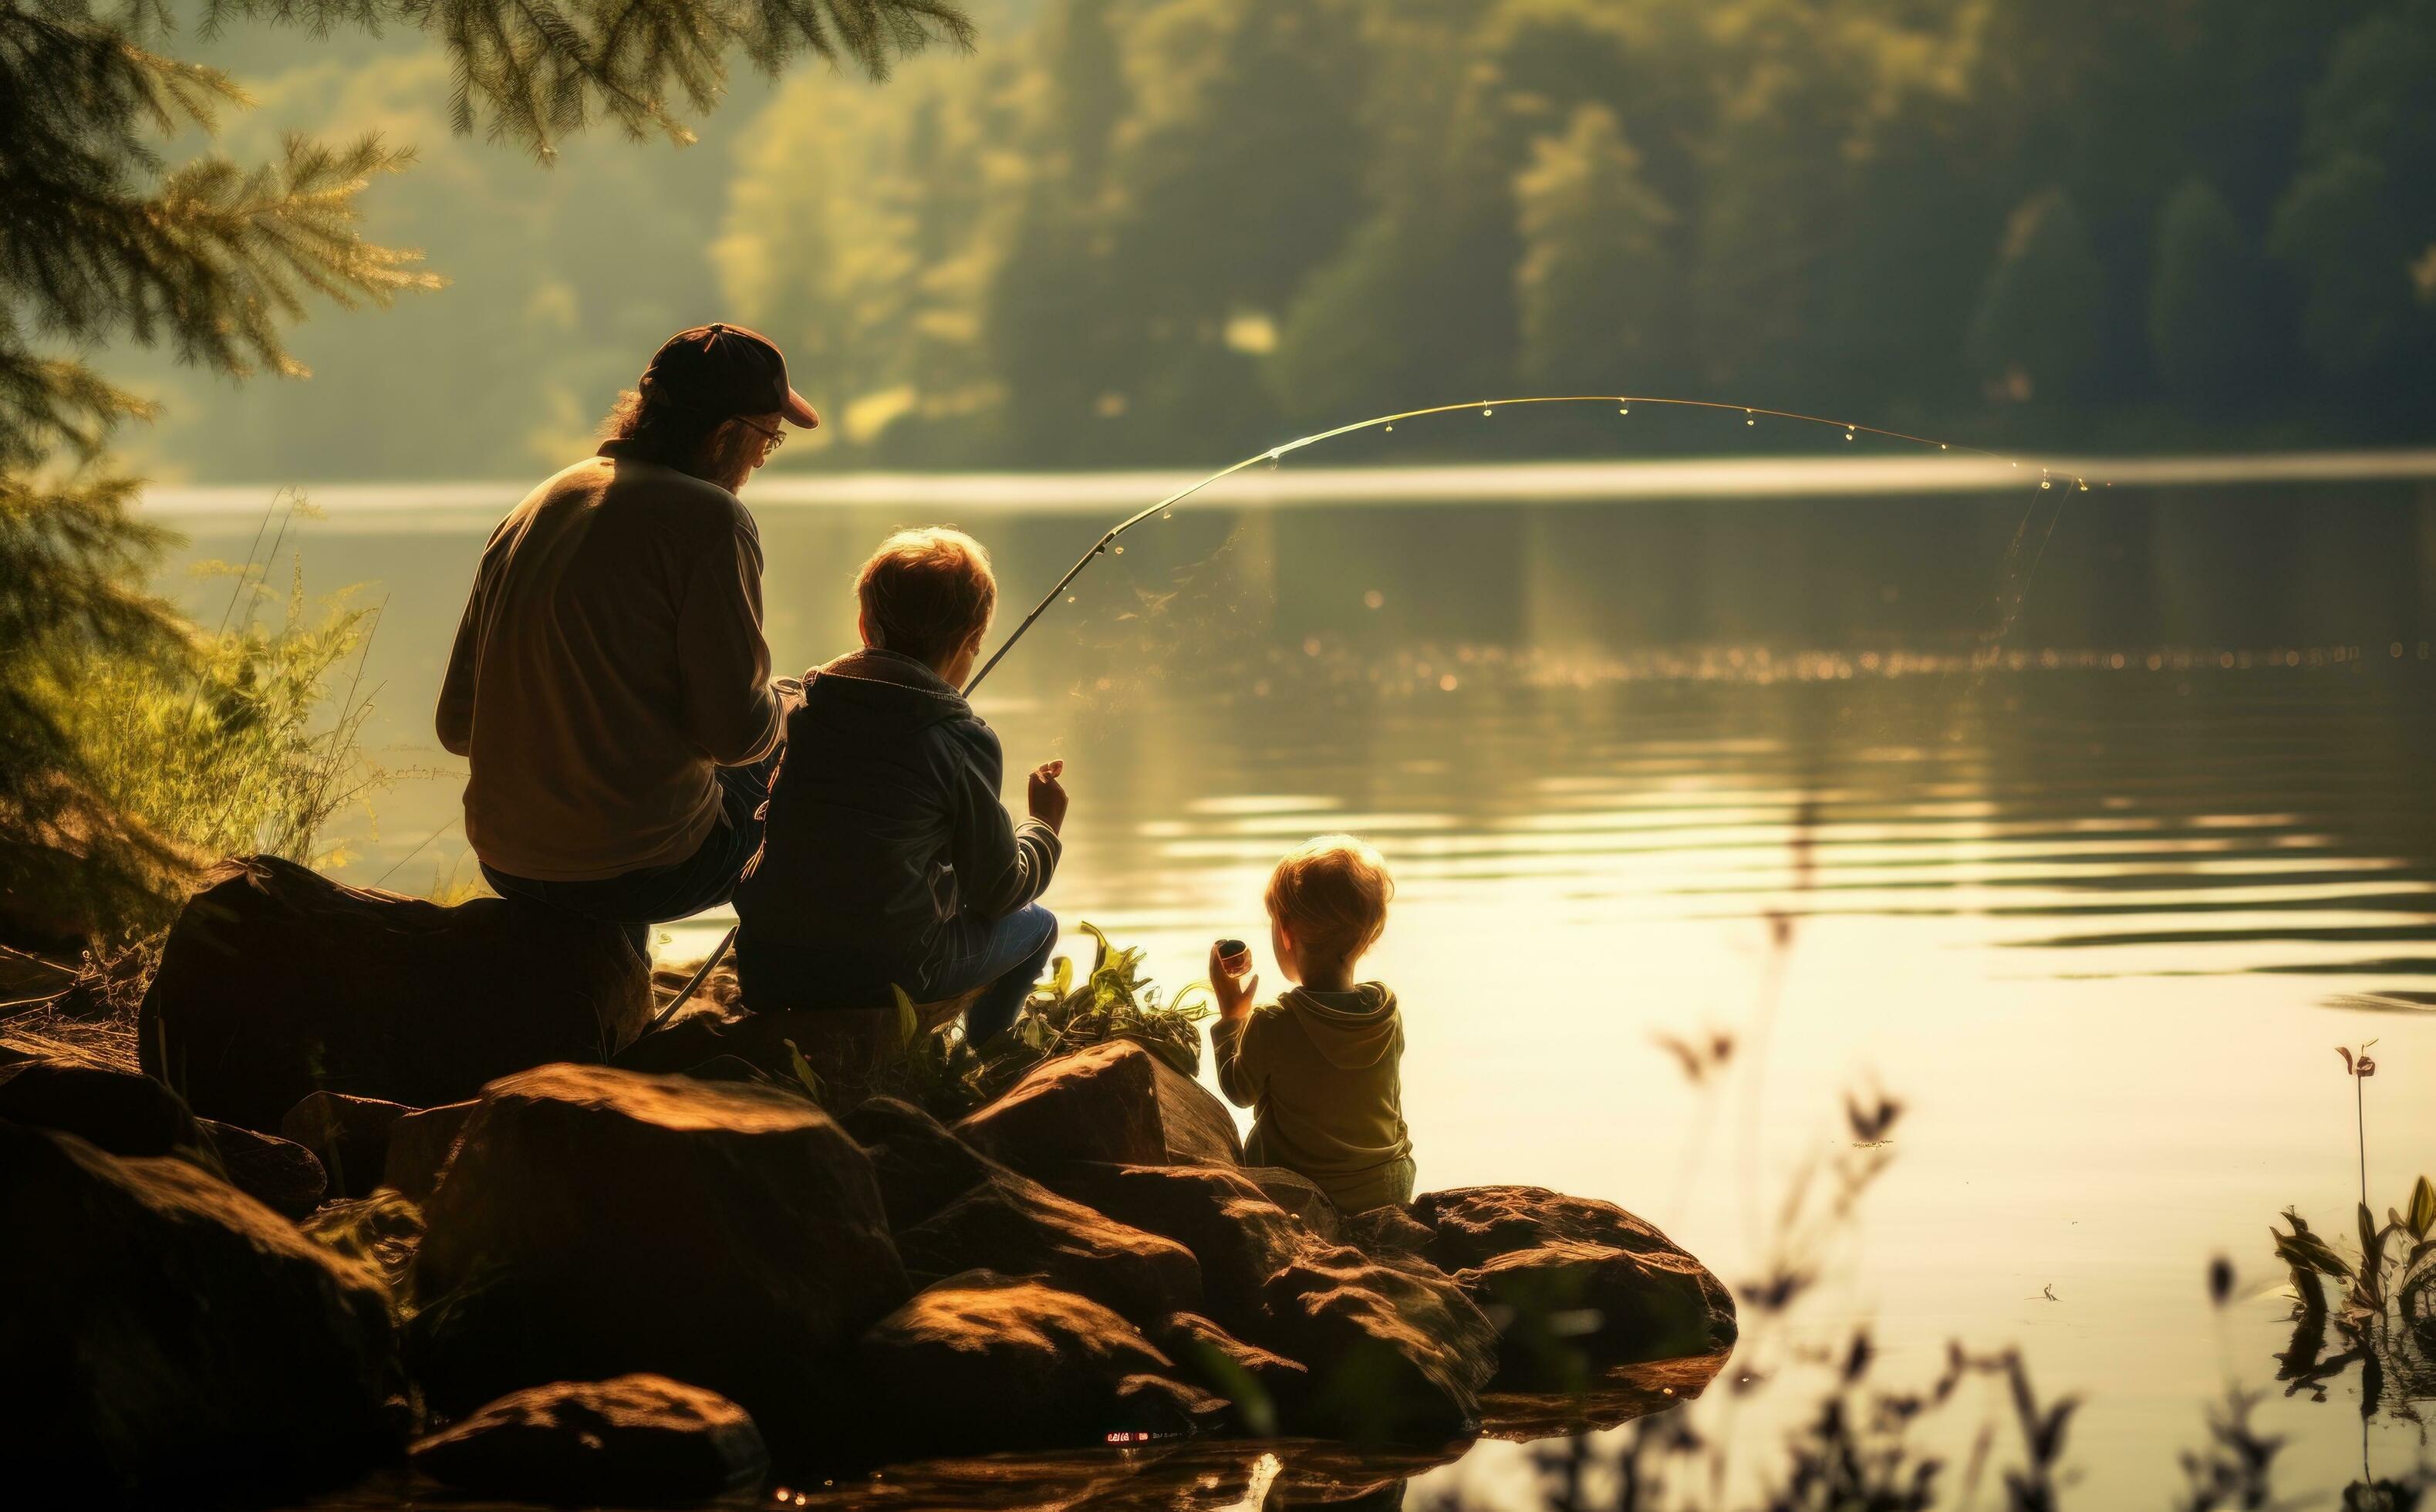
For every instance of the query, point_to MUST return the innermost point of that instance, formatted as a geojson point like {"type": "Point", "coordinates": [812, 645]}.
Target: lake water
{"type": "Point", "coordinates": [2094, 887]}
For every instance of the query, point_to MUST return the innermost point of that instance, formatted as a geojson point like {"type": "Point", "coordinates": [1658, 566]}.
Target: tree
{"type": "Point", "coordinates": [211, 260]}
{"type": "Point", "coordinates": [2206, 301]}
{"type": "Point", "coordinates": [1595, 281]}
{"type": "Point", "coordinates": [2040, 331]}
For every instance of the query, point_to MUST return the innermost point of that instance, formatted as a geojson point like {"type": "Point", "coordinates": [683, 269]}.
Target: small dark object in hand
{"type": "Point", "coordinates": [1234, 957]}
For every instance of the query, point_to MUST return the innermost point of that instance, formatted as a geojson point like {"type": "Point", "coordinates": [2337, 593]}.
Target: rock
{"type": "Point", "coordinates": [638, 1440]}
{"type": "Point", "coordinates": [1473, 1225]}
{"type": "Point", "coordinates": [1396, 1354]}
{"type": "Point", "coordinates": [278, 983]}
{"type": "Point", "coordinates": [122, 1112]}
{"type": "Point", "coordinates": [279, 1174]}
{"type": "Point", "coordinates": [1299, 1195]}
{"type": "Point", "coordinates": [1099, 1104]}
{"type": "Point", "coordinates": [1196, 1127]}
{"type": "Point", "coordinates": [1015, 1227]}
{"type": "Point", "coordinates": [1114, 1102]}
{"type": "Point", "coordinates": [1389, 1234]}
{"type": "Point", "coordinates": [1266, 1390]}
{"type": "Point", "coordinates": [420, 1144]}
{"type": "Point", "coordinates": [177, 1340]}
{"type": "Point", "coordinates": [1566, 1311]}
{"type": "Point", "coordinates": [350, 1135]}
{"type": "Point", "coordinates": [921, 1167]}
{"type": "Point", "coordinates": [983, 1362]}
{"type": "Point", "coordinates": [596, 1222]}
{"type": "Point", "coordinates": [1238, 1236]}
{"type": "Point", "coordinates": [1395, 1357]}
{"type": "Point", "coordinates": [1577, 1284]}
{"type": "Point", "coordinates": [847, 1050]}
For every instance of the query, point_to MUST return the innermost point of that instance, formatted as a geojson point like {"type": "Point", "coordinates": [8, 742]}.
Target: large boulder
{"type": "Point", "coordinates": [1575, 1285]}
{"type": "Point", "coordinates": [278, 983]}
{"type": "Point", "coordinates": [171, 1339]}
{"type": "Point", "coordinates": [1299, 1195]}
{"type": "Point", "coordinates": [638, 1440]}
{"type": "Point", "coordinates": [1565, 1310]}
{"type": "Point", "coordinates": [279, 1174]}
{"type": "Point", "coordinates": [596, 1223]}
{"type": "Point", "coordinates": [1396, 1356]}
{"type": "Point", "coordinates": [1113, 1102]}
{"type": "Point", "coordinates": [349, 1135]}
{"type": "Point", "coordinates": [983, 1362]}
{"type": "Point", "coordinates": [1472, 1224]}
{"type": "Point", "coordinates": [1012, 1225]}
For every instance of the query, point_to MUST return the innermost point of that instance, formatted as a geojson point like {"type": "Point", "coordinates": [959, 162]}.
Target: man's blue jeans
{"type": "Point", "coordinates": [679, 890]}
{"type": "Point", "coordinates": [1008, 954]}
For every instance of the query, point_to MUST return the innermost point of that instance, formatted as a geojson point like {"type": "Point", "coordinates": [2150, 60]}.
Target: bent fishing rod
{"type": "Point", "coordinates": [1751, 415]}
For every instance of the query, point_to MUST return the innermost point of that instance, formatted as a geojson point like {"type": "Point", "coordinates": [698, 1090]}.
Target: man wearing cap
{"type": "Point", "coordinates": [610, 687]}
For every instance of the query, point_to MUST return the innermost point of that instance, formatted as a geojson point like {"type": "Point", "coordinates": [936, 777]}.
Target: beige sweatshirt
{"type": "Point", "coordinates": [609, 661]}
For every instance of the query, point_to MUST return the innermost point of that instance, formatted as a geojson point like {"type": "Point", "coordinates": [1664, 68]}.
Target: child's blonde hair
{"type": "Point", "coordinates": [926, 591]}
{"type": "Point", "coordinates": [1332, 894]}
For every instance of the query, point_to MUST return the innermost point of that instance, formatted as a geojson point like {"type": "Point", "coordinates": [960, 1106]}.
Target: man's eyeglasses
{"type": "Point", "coordinates": [776, 435]}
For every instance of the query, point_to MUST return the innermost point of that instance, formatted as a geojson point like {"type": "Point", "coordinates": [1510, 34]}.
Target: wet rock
{"type": "Point", "coordinates": [1396, 1356]}
{"type": "Point", "coordinates": [1578, 1285]}
{"type": "Point", "coordinates": [982, 1361]}
{"type": "Point", "coordinates": [278, 983]}
{"type": "Point", "coordinates": [596, 1223]}
{"type": "Point", "coordinates": [186, 1342]}
{"type": "Point", "coordinates": [1018, 1228]}
{"type": "Point", "coordinates": [921, 1167]}
{"type": "Point", "coordinates": [1472, 1224]}
{"type": "Point", "coordinates": [1266, 1390]}
{"type": "Point", "coordinates": [1238, 1236]}
{"type": "Point", "coordinates": [640, 1440]}
{"type": "Point", "coordinates": [279, 1174]}
{"type": "Point", "coordinates": [122, 1112]}
{"type": "Point", "coordinates": [1566, 1311]}
{"type": "Point", "coordinates": [420, 1144]}
{"type": "Point", "coordinates": [349, 1135]}
{"type": "Point", "coordinates": [1114, 1102]}
{"type": "Point", "coordinates": [1299, 1195]}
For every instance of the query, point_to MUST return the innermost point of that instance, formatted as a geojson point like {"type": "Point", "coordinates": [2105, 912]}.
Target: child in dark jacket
{"type": "Point", "coordinates": [1322, 1063]}
{"type": "Point", "coordinates": [887, 860]}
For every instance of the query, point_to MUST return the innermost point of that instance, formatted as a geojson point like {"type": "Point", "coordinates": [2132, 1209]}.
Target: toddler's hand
{"type": "Point", "coordinates": [1047, 798]}
{"type": "Point", "coordinates": [1234, 994]}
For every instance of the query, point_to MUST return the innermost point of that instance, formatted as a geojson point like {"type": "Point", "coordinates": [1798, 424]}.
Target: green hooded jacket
{"type": "Point", "coordinates": [1321, 1072]}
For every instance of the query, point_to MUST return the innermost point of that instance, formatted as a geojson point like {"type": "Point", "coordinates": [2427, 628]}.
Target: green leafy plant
{"type": "Point", "coordinates": [1114, 1000]}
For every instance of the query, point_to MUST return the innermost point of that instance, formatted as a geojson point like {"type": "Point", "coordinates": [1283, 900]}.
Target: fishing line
{"type": "Point", "coordinates": [1488, 407]}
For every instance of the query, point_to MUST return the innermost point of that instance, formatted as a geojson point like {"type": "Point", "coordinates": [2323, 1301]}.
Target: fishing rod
{"type": "Point", "coordinates": [1624, 402]}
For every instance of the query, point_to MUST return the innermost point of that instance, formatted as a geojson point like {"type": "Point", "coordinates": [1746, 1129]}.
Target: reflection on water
{"type": "Point", "coordinates": [2095, 906]}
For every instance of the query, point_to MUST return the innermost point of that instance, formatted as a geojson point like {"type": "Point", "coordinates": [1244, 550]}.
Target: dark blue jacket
{"type": "Point", "coordinates": [884, 826]}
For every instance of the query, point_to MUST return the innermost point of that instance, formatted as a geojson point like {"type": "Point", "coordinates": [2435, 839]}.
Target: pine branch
{"type": "Point", "coordinates": [537, 70]}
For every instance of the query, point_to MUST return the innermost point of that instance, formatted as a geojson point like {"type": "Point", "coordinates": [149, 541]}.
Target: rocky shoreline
{"type": "Point", "coordinates": [596, 1282]}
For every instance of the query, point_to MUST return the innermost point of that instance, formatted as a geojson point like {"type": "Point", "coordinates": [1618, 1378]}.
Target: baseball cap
{"type": "Point", "coordinates": [726, 370]}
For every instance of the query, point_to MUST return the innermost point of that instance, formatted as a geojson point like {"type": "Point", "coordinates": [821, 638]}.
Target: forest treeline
{"type": "Point", "coordinates": [1168, 230]}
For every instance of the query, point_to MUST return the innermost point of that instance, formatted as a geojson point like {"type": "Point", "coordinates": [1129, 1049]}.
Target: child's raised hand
{"type": "Point", "coordinates": [1234, 994]}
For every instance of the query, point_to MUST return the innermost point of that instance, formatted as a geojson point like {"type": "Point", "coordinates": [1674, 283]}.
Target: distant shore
{"type": "Point", "coordinates": [452, 504]}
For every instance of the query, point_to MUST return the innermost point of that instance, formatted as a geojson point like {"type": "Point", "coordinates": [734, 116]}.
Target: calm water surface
{"type": "Point", "coordinates": [1704, 757]}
